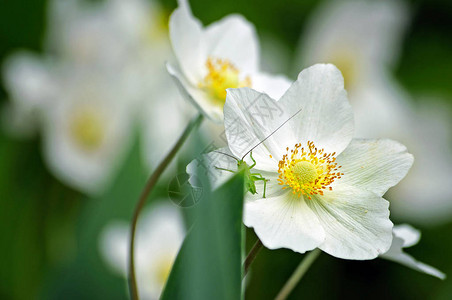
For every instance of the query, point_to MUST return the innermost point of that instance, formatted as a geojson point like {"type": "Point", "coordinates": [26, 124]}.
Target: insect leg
{"type": "Point", "coordinates": [222, 169]}
{"type": "Point", "coordinates": [264, 180]}
{"type": "Point", "coordinates": [254, 162]}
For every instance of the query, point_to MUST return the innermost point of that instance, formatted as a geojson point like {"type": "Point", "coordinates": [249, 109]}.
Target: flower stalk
{"type": "Point", "coordinates": [252, 255]}
{"type": "Point", "coordinates": [194, 123]}
{"type": "Point", "coordinates": [298, 274]}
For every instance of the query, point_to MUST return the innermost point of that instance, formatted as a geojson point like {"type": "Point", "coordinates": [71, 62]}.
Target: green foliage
{"type": "Point", "coordinates": [208, 265]}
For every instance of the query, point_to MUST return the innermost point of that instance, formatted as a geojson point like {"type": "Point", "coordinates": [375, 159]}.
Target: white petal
{"type": "Point", "coordinates": [234, 38]}
{"type": "Point", "coordinates": [356, 222]}
{"type": "Point", "coordinates": [284, 221]}
{"type": "Point", "coordinates": [132, 16]}
{"type": "Point", "coordinates": [113, 245]}
{"type": "Point", "coordinates": [165, 106]}
{"type": "Point", "coordinates": [209, 163]}
{"type": "Point", "coordinates": [406, 236]}
{"type": "Point", "coordinates": [197, 97]}
{"type": "Point", "coordinates": [370, 31]}
{"type": "Point", "coordinates": [274, 86]}
{"type": "Point", "coordinates": [186, 38]}
{"type": "Point", "coordinates": [251, 117]}
{"type": "Point", "coordinates": [160, 231]}
{"type": "Point", "coordinates": [90, 171]}
{"type": "Point", "coordinates": [374, 165]}
{"type": "Point", "coordinates": [408, 261]}
{"type": "Point", "coordinates": [326, 116]}
{"type": "Point", "coordinates": [425, 194]}
{"type": "Point", "coordinates": [28, 80]}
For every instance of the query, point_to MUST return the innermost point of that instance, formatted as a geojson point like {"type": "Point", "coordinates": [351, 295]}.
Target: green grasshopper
{"type": "Point", "coordinates": [250, 178]}
{"type": "Point", "coordinates": [242, 166]}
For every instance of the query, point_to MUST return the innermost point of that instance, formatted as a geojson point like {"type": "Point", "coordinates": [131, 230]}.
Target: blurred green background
{"type": "Point", "coordinates": [48, 238]}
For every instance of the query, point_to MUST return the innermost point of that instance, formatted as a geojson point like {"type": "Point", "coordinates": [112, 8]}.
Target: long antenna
{"type": "Point", "coordinates": [226, 154]}
{"type": "Point", "coordinates": [271, 133]}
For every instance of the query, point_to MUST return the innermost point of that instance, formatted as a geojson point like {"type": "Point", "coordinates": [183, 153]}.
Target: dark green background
{"type": "Point", "coordinates": [48, 238]}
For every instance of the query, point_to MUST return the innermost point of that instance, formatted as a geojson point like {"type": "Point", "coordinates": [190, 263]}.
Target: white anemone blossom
{"type": "Point", "coordinates": [81, 113]}
{"type": "Point", "coordinates": [363, 39]}
{"type": "Point", "coordinates": [223, 55]}
{"type": "Point", "coordinates": [82, 109]}
{"type": "Point", "coordinates": [103, 70]}
{"type": "Point", "coordinates": [87, 130]}
{"type": "Point", "coordinates": [324, 189]}
{"type": "Point", "coordinates": [160, 234]}
{"type": "Point", "coordinates": [131, 38]}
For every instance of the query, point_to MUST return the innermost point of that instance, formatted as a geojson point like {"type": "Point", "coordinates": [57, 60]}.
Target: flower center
{"type": "Point", "coordinates": [347, 64]}
{"type": "Point", "coordinates": [163, 269]}
{"type": "Point", "coordinates": [87, 129]}
{"type": "Point", "coordinates": [221, 76]}
{"type": "Point", "coordinates": [307, 171]}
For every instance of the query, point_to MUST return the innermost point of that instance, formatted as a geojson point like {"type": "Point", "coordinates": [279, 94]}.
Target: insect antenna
{"type": "Point", "coordinates": [226, 155]}
{"type": "Point", "coordinates": [271, 133]}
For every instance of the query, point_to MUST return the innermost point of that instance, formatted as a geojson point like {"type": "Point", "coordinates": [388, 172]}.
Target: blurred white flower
{"type": "Point", "coordinates": [83, 110]}
{"type": "Point", "coordinates": [130, 37]}
{"type": "Point", "coordinates": [223, 55]}
{"type": "Point", "coordinates": [160, 233]}
{"type": "Point", "coordinates": [363, 39]}
{"type": "Point", "coordinates": [102, 72]}
{"type": "Point", "coordinates": [324, 189]}
{"type": "Point", "coordinates": [405, 236]}
{"type": "Point", "coordinates": [87, 129]}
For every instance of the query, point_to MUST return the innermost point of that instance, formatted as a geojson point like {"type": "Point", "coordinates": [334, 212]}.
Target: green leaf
{"type": "Point", "coordinates": [209, 264]}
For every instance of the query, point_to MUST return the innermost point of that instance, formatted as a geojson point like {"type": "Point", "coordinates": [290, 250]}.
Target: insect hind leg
{"type": "Point", "coordinates": [261, 178]}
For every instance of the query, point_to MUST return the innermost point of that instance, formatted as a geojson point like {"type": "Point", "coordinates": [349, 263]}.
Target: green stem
{"type": "Point", "coordinates": [252, 255]}
{"type": "Point", "coordinates": [298, 274]}
{"type": "Point", "coordinates": [144, 195]}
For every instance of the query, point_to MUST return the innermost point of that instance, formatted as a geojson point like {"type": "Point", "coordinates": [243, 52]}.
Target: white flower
{"type": "Point", "coordinates": [406, 236]}
{"type": "Point", "coordinates": [103, 33]}
{"type": "Point", "coordinates": [363, 39]}
{"type": "Point", "coordinates": [87, 130]}
{"type": "Point", "coordinates": [160, 233]}
{"type": "Point", "coordinates": [105, 68]}
{"type": "Point", "coordinates": [82, 115]}
{"type": "Point", "coordinates": [223, 55]}
{"type": "Point", "coordinates": [325, 189]}
{"type": "Point", "coordinates": [130, 37]}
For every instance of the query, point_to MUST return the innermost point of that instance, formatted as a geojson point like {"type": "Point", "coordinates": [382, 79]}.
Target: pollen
{"type": "Point", "coordinates": [308, 170]}
{"type": "Point", "coordinates": [221, 75]}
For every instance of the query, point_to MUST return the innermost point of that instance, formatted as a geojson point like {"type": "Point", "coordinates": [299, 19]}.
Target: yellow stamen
{"type": "Point", "coordinates": [307, 171]}
{"type": "Point", "coordinates": [221, 76]}
{"type": "Point", "coordinates": [87, 129]}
